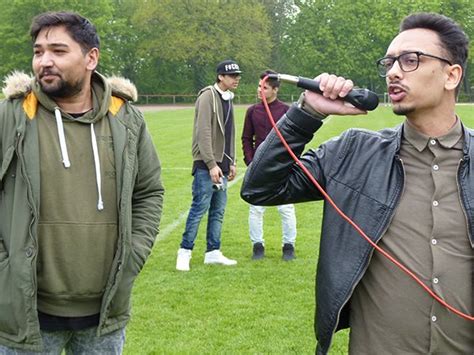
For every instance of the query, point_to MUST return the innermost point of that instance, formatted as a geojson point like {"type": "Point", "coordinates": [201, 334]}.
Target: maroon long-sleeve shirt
{"type": "Point", "coordinates": [257, 126]}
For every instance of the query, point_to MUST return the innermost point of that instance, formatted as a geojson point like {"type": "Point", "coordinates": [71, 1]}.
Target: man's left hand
{"type": "Point", "coordinates": [232, 172]}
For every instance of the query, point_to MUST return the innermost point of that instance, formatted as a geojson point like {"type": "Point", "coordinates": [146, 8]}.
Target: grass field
{"type": "Point", "coordinates": [257, 307]}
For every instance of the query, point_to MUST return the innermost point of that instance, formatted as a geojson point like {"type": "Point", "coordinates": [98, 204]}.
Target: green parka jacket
{"type": "Point", "coordinates": [139, 199]}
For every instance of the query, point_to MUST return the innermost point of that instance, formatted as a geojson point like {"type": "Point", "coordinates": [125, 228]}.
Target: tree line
{"type": "Point", "coordinates": [173, 46]}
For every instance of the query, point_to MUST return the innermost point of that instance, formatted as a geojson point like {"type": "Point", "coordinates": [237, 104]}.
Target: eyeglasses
{"type": "Point", "coordinates": [407, 61]}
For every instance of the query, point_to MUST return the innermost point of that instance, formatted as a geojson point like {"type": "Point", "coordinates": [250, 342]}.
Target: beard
{"type": "Point", "coordinates": [61, 88]}
{"type": "Point", "coordinates": [402, 110]}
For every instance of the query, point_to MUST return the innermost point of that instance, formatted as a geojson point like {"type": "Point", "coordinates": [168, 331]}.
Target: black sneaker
{"type": "Point", "coordinates": [288, 252]}
{"type": "Point", "coordinates": [258, 251]}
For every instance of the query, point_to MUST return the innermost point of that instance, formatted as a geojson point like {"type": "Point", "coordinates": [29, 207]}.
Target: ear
{"type": "Point", "coordinates": [220, 77]}
{"type": "Point", "coordinates": [92, 58]}
{"type": "Point", "coordinates": [454, 76]}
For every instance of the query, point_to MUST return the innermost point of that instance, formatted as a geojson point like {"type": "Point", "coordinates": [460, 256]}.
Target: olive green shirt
{"type": "Point", "coordinates": [390, 313]}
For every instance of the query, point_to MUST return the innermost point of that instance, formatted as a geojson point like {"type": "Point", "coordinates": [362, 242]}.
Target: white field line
{"type": "Point", "coordinates": [172, 226]}
{"type": "Point", "coordinates": [167, 230]}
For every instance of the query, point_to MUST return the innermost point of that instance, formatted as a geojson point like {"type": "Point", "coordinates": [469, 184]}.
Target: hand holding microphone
{"type": "Point", "coordinates": [327, 93]}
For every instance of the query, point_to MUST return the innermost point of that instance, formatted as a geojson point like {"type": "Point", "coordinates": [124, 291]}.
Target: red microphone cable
{"type": "Point", "coordinates": [352, 223]}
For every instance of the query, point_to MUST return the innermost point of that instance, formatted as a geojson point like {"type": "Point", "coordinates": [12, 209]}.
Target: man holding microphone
{"type": "Point", "coordinates": [410, 189]}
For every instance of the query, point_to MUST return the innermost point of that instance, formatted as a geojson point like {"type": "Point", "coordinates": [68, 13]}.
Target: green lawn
{"type": "Point", "coordinates": [263, 307]}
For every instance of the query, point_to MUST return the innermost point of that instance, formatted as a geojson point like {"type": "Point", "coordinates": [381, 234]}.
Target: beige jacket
{"type": "Point", "coordinates": [208, 133]}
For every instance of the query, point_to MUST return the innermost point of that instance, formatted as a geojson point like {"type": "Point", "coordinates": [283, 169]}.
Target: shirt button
{"type": "Point", "coordinates": [435, 203]}
{"type": "Point", "coordinates": [434, 241]}
{"type": "Point", "coordinates": [434, 319]}
{"type": "Point", "coordinates": [435, 167]}
{"type": "Point", "coordinates": [432, 142]}
{"type": "Point", "coordinates": [435, 280]}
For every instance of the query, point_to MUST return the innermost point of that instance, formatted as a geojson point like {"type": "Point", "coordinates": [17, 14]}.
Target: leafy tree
{"type": "Point", "coordinates": [172, 46]}
{"type": "Point", "coordinates": [195, 35]}
{"type": "Point", "coordinates": [17, 15]}
{"type": "Point", "coordinates": [120, 41]}
{"type": "Point", "coordinates": [347, 37]}
{"type": "Point", "coordinates": [280, 14]}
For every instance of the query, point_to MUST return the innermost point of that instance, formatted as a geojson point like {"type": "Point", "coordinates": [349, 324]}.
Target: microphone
{"type": "Point", "coordinates": [361, 98]}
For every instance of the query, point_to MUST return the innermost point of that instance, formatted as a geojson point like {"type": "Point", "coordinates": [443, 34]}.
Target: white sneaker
{"type": "Point", "coordinates": [216, 257]}
{"type": "Point", "coordinates": [182, 261]}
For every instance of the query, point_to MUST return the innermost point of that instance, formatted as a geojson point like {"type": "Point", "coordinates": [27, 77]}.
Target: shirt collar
{"type": "Point", "coordinates": [420, 140]}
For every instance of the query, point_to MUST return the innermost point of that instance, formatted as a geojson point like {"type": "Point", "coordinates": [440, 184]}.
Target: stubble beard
{"type": "Point", "coordinates": [62, 88]}
{"type": "Point", "coordinates": [402, 110]}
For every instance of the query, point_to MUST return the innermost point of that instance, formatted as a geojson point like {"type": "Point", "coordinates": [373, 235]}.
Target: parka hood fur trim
{"type": "Point", "coordinates": [18, 84]}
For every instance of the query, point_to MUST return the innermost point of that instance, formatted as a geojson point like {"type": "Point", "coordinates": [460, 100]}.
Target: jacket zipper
{"type": "Point", "coordinates": [117, 263]}
{"type": "Point", "coordinates": [371, 253]}
{"type": "Point", "coordinates": [19, 150]}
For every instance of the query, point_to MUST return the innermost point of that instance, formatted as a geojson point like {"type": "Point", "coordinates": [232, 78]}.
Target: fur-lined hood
{"type": "Point", "coordinates": [18, 84]}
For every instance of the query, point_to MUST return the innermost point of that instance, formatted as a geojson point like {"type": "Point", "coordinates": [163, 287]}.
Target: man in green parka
{"type": "Point", "coordinates": [80, 196]}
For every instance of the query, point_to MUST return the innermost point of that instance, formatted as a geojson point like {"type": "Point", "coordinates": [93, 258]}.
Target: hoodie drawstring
{"type": "Point", "coordinates": [62, 138]}
{"type": "Point", "coordinates": [95, 150]}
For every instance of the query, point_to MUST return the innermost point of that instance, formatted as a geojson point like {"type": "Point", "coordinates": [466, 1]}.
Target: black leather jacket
{"type": "Point", "coordinates": [362, 172]}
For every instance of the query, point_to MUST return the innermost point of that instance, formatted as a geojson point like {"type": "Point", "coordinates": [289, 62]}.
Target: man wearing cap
{"type": "Point", "coordinates": [213, 150]}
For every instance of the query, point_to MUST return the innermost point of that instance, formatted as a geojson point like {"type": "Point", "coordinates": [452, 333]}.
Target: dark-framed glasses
{"type": "Point", "coordinates": [408, 62]}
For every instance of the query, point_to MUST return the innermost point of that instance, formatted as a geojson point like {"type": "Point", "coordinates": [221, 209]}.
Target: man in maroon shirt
{"type": "Point", "coordinates": [256, 128]}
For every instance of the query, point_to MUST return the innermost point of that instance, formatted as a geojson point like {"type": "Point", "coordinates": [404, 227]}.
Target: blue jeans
{"type": "Point", "coordinates": [77, 342]}
{"type": "Point", "coordinates": [205, 198]}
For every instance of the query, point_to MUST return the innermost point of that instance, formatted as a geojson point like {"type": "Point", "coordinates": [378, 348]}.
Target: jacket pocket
{"type": "Point", "coordinates": [5, 162]}
{"type": "Point", "coordinates": [12, 306]}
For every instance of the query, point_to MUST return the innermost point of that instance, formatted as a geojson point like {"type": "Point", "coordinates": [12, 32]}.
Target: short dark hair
{"type": "Point", "coordinates": [453, 39]}
{"type": "Point", "coordinates": [78, 27]}
{"type": "Point", "coordinates": [274, 83]}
